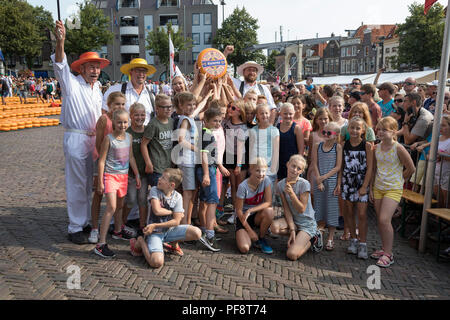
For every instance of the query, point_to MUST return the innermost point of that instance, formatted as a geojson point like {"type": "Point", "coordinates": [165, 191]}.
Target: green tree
{"type": "Point", "coordinates": [92, 32]}
{"type": "Point", "coordinates": [421, 36]}
{"type": "Point", "coordinates": [23, 29]}
{"type": "Point", "coordinates": [271, 63]}
{"type": "Point", "coordinates": [158, 43]}
{"type": "Point", "coordinates": [240, 30]}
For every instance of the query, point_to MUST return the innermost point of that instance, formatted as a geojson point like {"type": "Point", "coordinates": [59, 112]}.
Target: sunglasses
{"type": "Point", "coordinates": [165, 107]}
{"type": "Point", "coordinates": [409, 83]}
{"type": "Point", "coordinates": [328, 133]}
{"type": "Point", "coordinates": [398, 100]}
{"type": "Point", "coordinates": [355, 83]}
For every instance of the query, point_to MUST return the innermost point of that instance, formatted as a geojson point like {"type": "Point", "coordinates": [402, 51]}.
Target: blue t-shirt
{"type": "Point", "coordinates": [426, 150]}
{"type": "Point", "coordinates": [309, 88]}
{"type": "Point", "coordinates": [387, 108]}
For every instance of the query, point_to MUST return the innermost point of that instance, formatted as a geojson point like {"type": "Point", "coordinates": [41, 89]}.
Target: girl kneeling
{"type": "Point", "coordinates": [254, 208]}
{"type": "Point", "coordinates": [299, 221]}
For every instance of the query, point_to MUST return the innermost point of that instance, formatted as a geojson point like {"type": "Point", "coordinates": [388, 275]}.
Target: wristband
{"type": "Point", "coordinates": [239, 165]}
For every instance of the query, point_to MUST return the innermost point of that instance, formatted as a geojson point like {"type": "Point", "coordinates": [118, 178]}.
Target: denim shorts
{"type": "Point", "coordinates": [207, 194]}
{"type": "Point", "coordinates": [307, 225]}
{"type": "Point", "coordinates": [155, 240]}
{"type": "Point", "coordinates": [153, 178]}
{"type": "Point", "coordinates": [136, 196]}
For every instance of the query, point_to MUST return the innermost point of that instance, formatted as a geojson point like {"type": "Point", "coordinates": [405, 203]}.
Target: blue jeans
{"type": "Point", "coordinates": [208, 194]}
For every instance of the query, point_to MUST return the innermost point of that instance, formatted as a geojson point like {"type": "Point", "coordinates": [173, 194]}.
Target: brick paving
{"type": "Point", "coordinates": [35, 253]}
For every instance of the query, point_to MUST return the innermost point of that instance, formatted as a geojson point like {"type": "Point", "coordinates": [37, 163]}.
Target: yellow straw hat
{"type": "Point", "coordinates": [137, 63]}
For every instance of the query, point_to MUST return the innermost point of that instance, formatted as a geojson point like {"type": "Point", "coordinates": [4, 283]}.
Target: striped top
{"type": "Point", "coordinates": [389, 169]}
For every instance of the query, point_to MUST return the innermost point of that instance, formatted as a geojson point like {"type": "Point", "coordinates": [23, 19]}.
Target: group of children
{"type": "Point", "coordinates": [318, 171]}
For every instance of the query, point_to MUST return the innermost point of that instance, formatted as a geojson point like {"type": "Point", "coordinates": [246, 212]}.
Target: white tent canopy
{"type": "Point", "coordinates": [369, 78]}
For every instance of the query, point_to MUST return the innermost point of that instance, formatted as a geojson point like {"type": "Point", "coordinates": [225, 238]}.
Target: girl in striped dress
{"type": "Point", "coordinates": [326, 161]}
{"type": "Point", "coordinates": [387, 188]}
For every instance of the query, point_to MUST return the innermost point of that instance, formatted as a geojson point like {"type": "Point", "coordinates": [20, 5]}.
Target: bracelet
{"type": "Point", "coordinates": [239, 165]}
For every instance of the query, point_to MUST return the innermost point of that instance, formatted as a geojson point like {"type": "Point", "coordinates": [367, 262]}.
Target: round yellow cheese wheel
{"type": "Point", "coordinates": [212, 62]}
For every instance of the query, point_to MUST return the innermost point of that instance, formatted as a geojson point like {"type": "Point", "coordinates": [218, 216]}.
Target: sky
{"type": "Point", "coordinates": [300, 19]}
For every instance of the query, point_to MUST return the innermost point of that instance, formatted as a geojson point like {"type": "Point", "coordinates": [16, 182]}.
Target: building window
{"type": "Point", "coordinates": [207, 19]}
{"type": "Point", "coordinates": [196, 39]}
{"type": "Point", "coordinates": [129, 21]}
{"type": "Point", "coordinates": [194, 56]}
{"type": "Point", "coordinates": [366, 51]}
{"type": "Point", "coordinates": [394, 49]}
{"type": "Point", "coordinates": [172, 19]}
{"type": "Point", "coordinates": [129, 41]}
{"type": "Point", "coordinates": [336, 66]}
{"type": "Point", "coordinates": [342, 67]}
{"type": "Point", "coordinates": [168, 3]}
{"type": "Point", "coordinates": [207, 38]}
{"type": "Point", "coordinates": [388, 50]}
{"type": "Point", "coordinates": [127, 57]}
{"type": "Point", "coordinates": [129, 4]}
{"type": "Point", "coordinates": [342, 52]}
{"type": "Point", "coordinates": [353, 51]}
{"type": "Point", "coordinates": [195, 19]}
{"type": "Point", "coordinates": [326, 65]}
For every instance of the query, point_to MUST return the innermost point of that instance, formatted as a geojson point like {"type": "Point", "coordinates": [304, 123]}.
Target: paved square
{"type": "Point", "coordinates": [36, 259]}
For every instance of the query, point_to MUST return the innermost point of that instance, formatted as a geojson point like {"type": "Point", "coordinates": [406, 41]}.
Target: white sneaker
{"type": "Point", "coordinates": [362, 252]}
{"type": "Point", "coordinates": [93, 236]}
{"type": "Point", "coordinates": [353, 248]}
{"type": "Point", "coordinates": [231, 219]}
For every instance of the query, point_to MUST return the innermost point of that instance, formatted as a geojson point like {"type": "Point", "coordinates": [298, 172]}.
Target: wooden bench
{"type": "Point", "coordinates": [416, 198]}
{"type": "Point", "coordinates": [442, 214]}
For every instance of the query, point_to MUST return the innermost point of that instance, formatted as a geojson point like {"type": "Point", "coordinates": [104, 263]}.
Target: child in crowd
{"type": "Point", "coordinates": [326, 162]}
{"type": "Point", "coordinates": [299, 103]}
{"type": "Point", "coordinates": [387, 189]}
{"type": "Point", "coordinates": [219, 136]}
{"type": "Point", "coordinates": [310, 108]}
{"type": "Point", "coordinates": [136, 196]}
{"type": "Point", "coordinates": [359, 109]}
{"type": "Point", "coordinates": [321, 118]}
{"type": "Point", "coordinates": [116, 155]}
{"type": "Point", "coordinates": [156, 144]}
{"type": "Point", "coordinates": [336, 106]}
{"type": "Point", "coordinates": [235, 136]}
{"type": "Point", "coordinates": [265, 142]}
{"type": "Point", "coordinates": [254, 208]}
{"type": "Point", "coordinates": [165, 213]}
{"type": "Point", "coordinates": [116, 101]}
{"type": "Point", "coordinates": [353, 183]}
{"type": "Point", "coordinates": [187, 140]}
{"type": "Point", "coordinates": [206, 177]}
{"type": "Point", "coordinates": [252, 97]}
{"type": "Point", "coordinates": [291, 138]}
{"type": "Point", "coordinates": [261, 100]}
{"type": "Point", "coordinates": [298, 222]}
{"type": "Point", "coordinates": [441, 181]}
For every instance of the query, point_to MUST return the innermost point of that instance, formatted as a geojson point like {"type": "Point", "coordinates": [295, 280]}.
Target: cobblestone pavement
{"type": "Point", "coordinates": [35, 254]}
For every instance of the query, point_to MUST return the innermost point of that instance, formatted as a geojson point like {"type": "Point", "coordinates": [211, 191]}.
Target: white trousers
{"type": "Point", "coordinates": [79, 169]}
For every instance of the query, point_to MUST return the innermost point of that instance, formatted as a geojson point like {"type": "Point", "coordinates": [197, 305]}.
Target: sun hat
{"type": "Point", "coordinates": [89, 57]}
{"type": "Point", "coordinates": [242, 67]}
{"type": "Point", "coordinates": [433, 83]}
{"type": "Point", "coordinates": [137, 63]}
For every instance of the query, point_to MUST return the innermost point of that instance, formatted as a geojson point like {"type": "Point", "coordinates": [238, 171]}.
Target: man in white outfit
{"type": "Point", "coordinates": [81, 108]}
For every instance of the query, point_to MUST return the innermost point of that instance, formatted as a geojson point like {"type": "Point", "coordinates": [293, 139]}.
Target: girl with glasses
{"type": "Point", "coordinates": [326, 160]}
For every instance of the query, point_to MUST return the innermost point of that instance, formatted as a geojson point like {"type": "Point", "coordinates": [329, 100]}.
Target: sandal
{"type": "Point", "coordinates": [385, 260]}
{"type": "Point", "coordinates": [345, 237]}
{"type": "Point", "coordinates": [377, 254]}
{"type": "Point", "coordinates": [174, 249]}
{"type": "Point", "coordinates": [134, 252]}
{"type": "Point", "coordinates": [219, 229]}
{"type": "Point", "coordinates": [330, 245]}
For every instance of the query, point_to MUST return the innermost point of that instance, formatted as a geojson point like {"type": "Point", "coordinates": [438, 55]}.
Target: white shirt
{"type": "Point", "coordinates": [81, 104]}
{"type": "Point", "coordinates": [247, 87]}
{"type": "Point", "coordinates": [131, 97]}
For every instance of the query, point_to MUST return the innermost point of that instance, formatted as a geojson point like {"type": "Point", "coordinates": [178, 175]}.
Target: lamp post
{"type": "Point", "coordinates": [222, 3]}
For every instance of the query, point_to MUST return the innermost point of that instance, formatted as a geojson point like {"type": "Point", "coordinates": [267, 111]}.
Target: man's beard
{"type": "Point", "coordinates": [249, 79]}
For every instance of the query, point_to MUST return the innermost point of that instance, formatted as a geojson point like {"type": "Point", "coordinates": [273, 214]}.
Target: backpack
{"type": "Point", "coordinates": [152, 97]}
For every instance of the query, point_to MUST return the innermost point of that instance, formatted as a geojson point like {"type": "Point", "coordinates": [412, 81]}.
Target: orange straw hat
{"type": "Point", "coordinates": [89, 57]}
